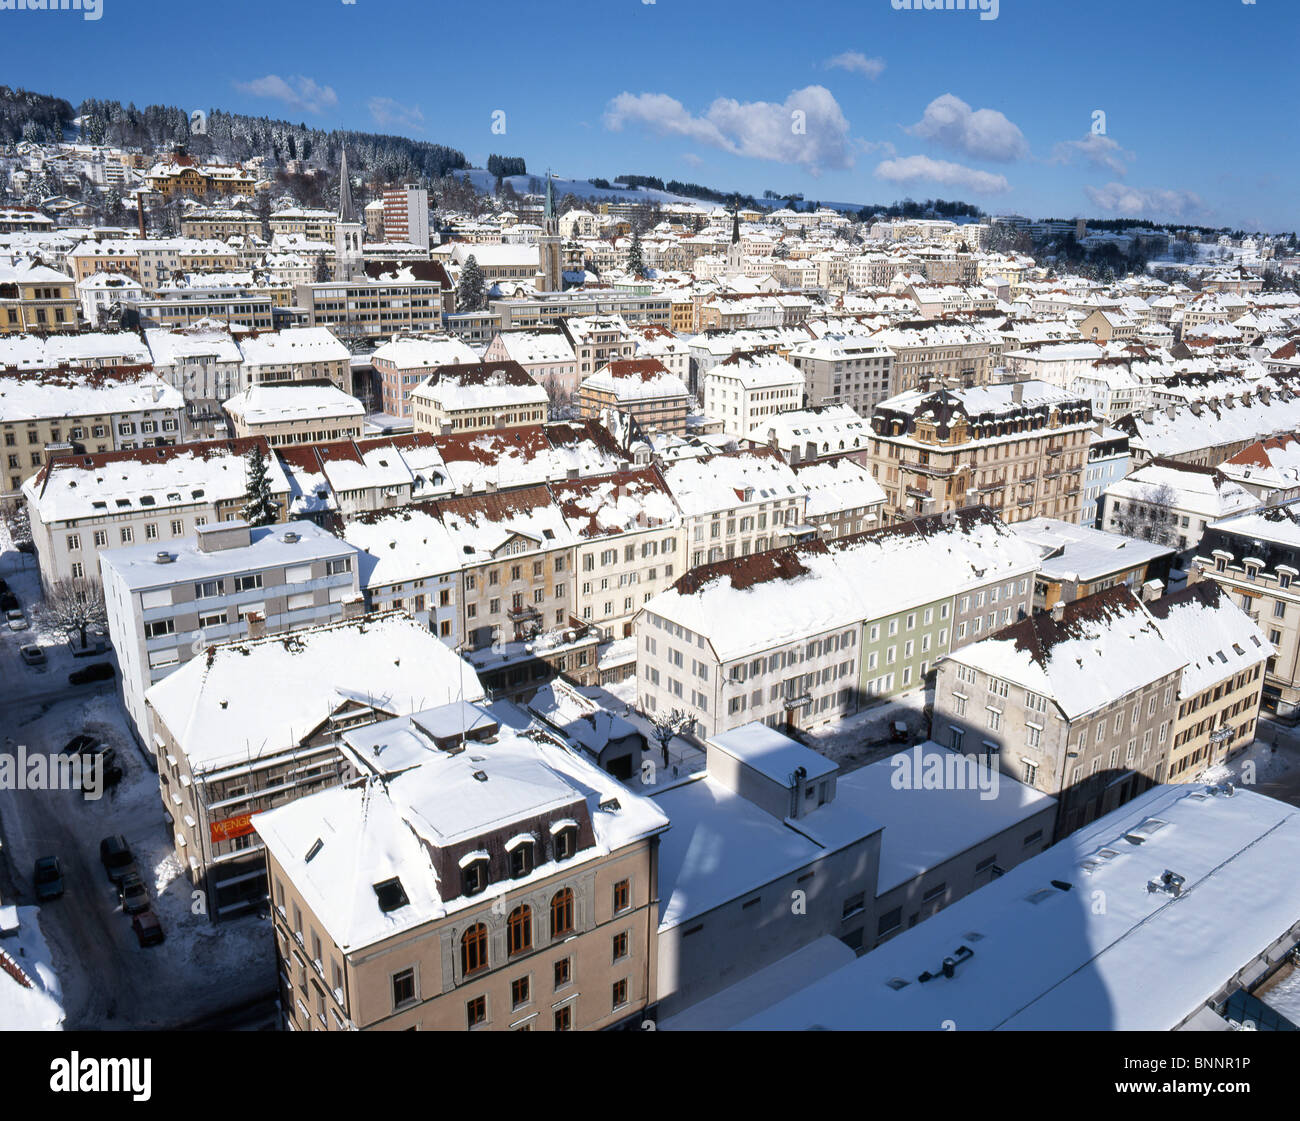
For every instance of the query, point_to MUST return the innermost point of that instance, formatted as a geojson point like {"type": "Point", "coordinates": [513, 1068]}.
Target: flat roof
{"type": "Point", "coordinates": [772, 753]}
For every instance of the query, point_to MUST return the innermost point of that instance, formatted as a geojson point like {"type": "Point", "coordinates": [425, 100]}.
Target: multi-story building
{"type": "Point", "coordinates": [49, 413]}
{"type": "Point", "coordinates": [477, 396]}
{"type": "Point", "coordinates": [168, 603]}
{"type": "Point", "coordinates": [553, 308]}
{"type": "Point", "coordinates": [1108, 462]}
{"type": "Point", "coordinates": [750, 387]}
{"type": "Point", "coordinates": [182, 176]}
{"type": "Point", "coordinates": [188, 307]}
{"type": "Point", "coordinates": [803, 435]}
{"type": "Point", "coordinates": [382, 302]}
{"type": "Point", "coordinates": [640, 387]}
{"type": "Point", "coordinates": [1172, 502]}
{"type": "Point", "coordinates": [1255, 559]}
{"type": "Point", "coordinates": [1079, 702]}
{"type": "Point", "coordinates": [596, 341]}
{"type": "Point", "coordinates": [1019, 448]}
{"type": "Point", "coordinates": [1222, 684]}
{"type": "Point", "coordinates": [34, 297]}
{"type": "Point", "coordinates": [308, 223]}
{"type": "Point", "coordinates": [221, 225]}
{"type": "Point", "coordinates": [406, 215]}
{"type": "Point", "coordinates": [511, 887]}
{"type": "Point", "coordinates": [81, 504]}
{"type": "Point", "coordinates": [297, 354]}
{"type": "Point", "coordinates": [205, 365]}
{"type": "Point", "coordinates": [545, 353]}
{"type": "Point", "coordinates": [295, 414]}
{"type": "Point", "coordinates": [259, 723]}
{"type": "Point", "coordinates": [404, 363]}
{"type": "Point", "coordinates": [929, 354]}
{"type": "Point", "coordinates": [843, 498]}
{"type": "Point", "coordinates": [628, 545]}
{"type": "Point", "coordinates": [847, 370]}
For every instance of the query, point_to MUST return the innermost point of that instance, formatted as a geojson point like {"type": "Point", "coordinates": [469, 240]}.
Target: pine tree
{"type": "Point", "coordinates": [635, 263]}
{"type": "Point", "coordinates": [469, 292]}
{"type": "Point", "coordinates": [259, 507]}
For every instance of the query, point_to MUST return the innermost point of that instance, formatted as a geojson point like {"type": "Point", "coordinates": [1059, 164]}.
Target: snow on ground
{"type": "Point", "coordinates": [1267, 765]}
{"type": "Point", "coordinates": [39, 1008]}
{"type": "Point", "coordinates": [1284, 996]}
{"type": "Point", "coordinates": [684, 758]}
{"type": "Point", "coordinates": [864, 737]}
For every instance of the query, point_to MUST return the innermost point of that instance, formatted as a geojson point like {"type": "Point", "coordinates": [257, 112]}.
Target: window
{"type": "Point", "coordinates": [159, 627]}
{"type": "Point", "coordinates": [564, 1018]}
{"type": "Point", "coordinates": [403, 988]}
{"type": "Point", "coordinates": [620, 993]}
{"type": "Point", "coordinates": [248, 583]}
{"type": "Point", "coordinates": [207, 589]}
{"type": "Point", "coordinates": [473, 949]}
{"type": "Point", "coordinates": [74, 542]}
{"type": "Point", "coordinates": [621, 896]}
{"type": "Point", "coordinates": [1031, 772]}
{"type": "Point", "coordinates": [994, 719]}
{"type": "Point", "coordinates": [476, 1011]}
{"type": "Point", "coordinates": [562, 913]}
{"type": "Point", "coordinates": [518, 992]}
{"type": "Point", "coordinates": [519, 930]}
{"type": "Point", "coordinates": [566, 842]}
{"type": "Point", "coordinates": [620, 945]}
{"type": "Point", "coordinates": [563, 974]}
{"type": "Point", "coordinates": [521, 859]}
{"type": "Point", "coordinates": [1279, 610]}
{"type": "Point", "coordinates": [889, 922]}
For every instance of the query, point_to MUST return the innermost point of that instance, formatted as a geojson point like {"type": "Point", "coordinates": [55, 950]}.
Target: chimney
{"type": "Point", "coordinates": [1171, 412]}
{"type": "Point", "coordinates": [1152, 590]}
{"type": "Point", "coordinates": [1058, 611]}
{"type": "Point", "coordinates": [1018, 392]}
{"type": "Point", "coordinates": [1148, 415]}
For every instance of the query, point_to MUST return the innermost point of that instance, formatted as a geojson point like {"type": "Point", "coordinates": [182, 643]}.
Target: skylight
{"type": "Point", "coordinates": [391, 895]}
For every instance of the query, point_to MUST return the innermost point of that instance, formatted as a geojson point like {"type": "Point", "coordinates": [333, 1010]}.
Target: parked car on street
{"type": "Point", "coordinates": [79, 743]}
{"type": "Point", "coordinates": [48, 878]}
{"type": "Point", "coordinates": [34, 656]}
{"type": "Point", "coordinates": [100, 671]}
{"type": "Point", "coordinates": [16, 619]}
{"type": "Point", "coordinates": [132, 894]}
{"type": "Point", "coordinates": [148, 930]}
{"type": "Point", "coordinates": [116, 856]}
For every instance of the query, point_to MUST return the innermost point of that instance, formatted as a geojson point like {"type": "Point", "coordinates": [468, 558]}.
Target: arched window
{"type": "Point", "coordinates": [473, 949]}
{"type": "Point", "coordinates": [519, 930]}
{"type": "Point", "coordinates": [562, 913]}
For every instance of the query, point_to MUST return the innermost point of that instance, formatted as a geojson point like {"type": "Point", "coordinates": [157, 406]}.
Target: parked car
{"type": "Point", "coordinates": [16, 619]}
{"type": "Point", "coordinates": [148, 930]}
{"type": "Point", "coordinates": [34, 656]}
{"type": "Point", "coordinates": [898, 731]}
{"type": "Point", "coordinates": [48, 878]}
{"type": "Point", "coordinates": [132, 895]}
{"type": "Point", "coordinates": [100, 671]}
{"type": "Point", "coordinates": [116, 856]}
{"type": "Point", "coordinates": [79, 743]}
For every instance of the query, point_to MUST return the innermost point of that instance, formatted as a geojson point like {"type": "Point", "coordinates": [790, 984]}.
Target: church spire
{"type": "Point", "coordinates": [347, 212]}
{"type": "Point", "coordinates": [735, 225]}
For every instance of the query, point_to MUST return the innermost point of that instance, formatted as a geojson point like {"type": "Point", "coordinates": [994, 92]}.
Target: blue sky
{"type": "Point", "coordinates": [1197, 97]}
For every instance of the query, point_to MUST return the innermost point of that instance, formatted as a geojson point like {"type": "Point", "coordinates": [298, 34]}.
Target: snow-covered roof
{"type": "Point", "coordinates": [108, 391]}
{"type": "Point", "coordinates": [636, 379]}
{"type": "Point", "coordinates": [293, 345]}
{"type": "Point", "coordinates": [214, 342]}
{"type": "Point", "coordinates": [1217, 638]}
{"type": "Point", "coordinates": [836, 485]}
{"type": "Point", "coordinates": [1043, 958]}
{"type": "Point", "coordinates": [424, 353]}
{"type": "Point", "coordinates": [772, 754]}
{"type": "Point", "coordinates": [1082, 554]}
{"type": "Point", "coordinates": [1206, 493]}
{"type": "Point", "coordinates": [277, 404]}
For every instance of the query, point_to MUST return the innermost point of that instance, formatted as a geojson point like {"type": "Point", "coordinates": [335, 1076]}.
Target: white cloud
{"type": "Point", "coordinates": [297, 92]}
{"type": "Point", "coordinates": [983, 133]}
{"type": "Point", "coordinates": [692, 159]}
{"type": "Point", "coordinates": [389, 113]}
{"type": "Point", "coordinates": [858, 63]}
{"type": "Point", "coordinates": [1146, 202]}
{"type": "Point", "coordinates": [911, 169]}
{"type": "Point", "coordinates": [1097, 149]}
{"type": "Point", "coordinates": [808, 128]}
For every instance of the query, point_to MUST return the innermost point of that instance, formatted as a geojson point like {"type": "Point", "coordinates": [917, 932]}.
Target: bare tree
{"type": "Point", "coordinates": [559, 397]}
{"type": "Point", "coordinates": [73, 605]}
{"type": "Point", "coordinates": [1151, 517]}
{"type": "Point", "coordinates": [665, 725]}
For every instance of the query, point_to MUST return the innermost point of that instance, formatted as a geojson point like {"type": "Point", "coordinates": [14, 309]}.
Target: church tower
{"type": "Point", "coordinates": [550, 254]}
{"type": "Point", "coordinates": [349, 260]}
{"type": "Point", "coordinates": [735, 259]}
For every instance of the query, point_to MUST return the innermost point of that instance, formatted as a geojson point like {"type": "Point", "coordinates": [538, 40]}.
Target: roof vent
{"type": "Point", "coordinates": [162, 558]}
{"type": "Point", "coordinates": [481, 776]}
{"type": "Point", "coordinates": [291, 538]}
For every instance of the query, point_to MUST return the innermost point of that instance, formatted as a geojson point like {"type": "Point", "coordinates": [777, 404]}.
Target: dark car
{"type": "Point", "coordinates": [148, 930]}
{"type": "Point", "coordinates": [79, 743]}
{"type": "Point", "coordinates": [132, 894]}
{"type": "Point", "coordinates": [117, 859]}
{"type": "Point", "coordinates": [100, 671]}
{"type": "Point", "coordinates": [48, 878]}
{"type": "Point", "coordinates": [8, 601]}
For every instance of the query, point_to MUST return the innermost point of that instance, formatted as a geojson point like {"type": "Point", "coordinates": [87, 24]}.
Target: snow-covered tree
{"type": "Point", "coordinates": [73, 605]}
{"type": "Point", "coordinates": [470, 291]}
{"type": "Point", "coordinates": [665, 725]}
{"type": "Point", "coordinates": [635, 261]}
{"type": "Point", "coordinates": [259, 507]}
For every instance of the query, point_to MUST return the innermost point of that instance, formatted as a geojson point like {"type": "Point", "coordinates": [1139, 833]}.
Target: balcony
{"type": "Point", "coordinates": [520, 611]}
{"type": "Point", "coordinates": [933, 472]}
{"type": "Point", "coordinates": [917, 492]}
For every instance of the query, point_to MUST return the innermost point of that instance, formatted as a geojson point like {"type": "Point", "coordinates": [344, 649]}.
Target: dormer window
{"type": "Point", "coordinates": [522, 861]}
{"type": "Point", "coordinates": [474, 873]}
{"type": "Point", "coordinates": [564, 839]}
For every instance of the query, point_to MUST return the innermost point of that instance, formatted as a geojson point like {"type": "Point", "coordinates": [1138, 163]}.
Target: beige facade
{"type": "Point", "coordinates": [36, 298]}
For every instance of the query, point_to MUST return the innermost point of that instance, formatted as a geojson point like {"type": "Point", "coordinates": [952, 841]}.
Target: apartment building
{"type": "Point", "coordinates": [642, 388]}
{"type": "Point", "coordinates": [1108, 462]}
{"type": "Point", "coordinates": [49, 413]}
{"type": "Point", "coordinates": [545, 353]}
{"type": "Point", "coordinates": [382, 302]}
{"type": "Point", "coordinates": [221, 225]}
{"type": "Point", "coordinates": [845, 370]}
{"type": "Point", "coordinates": [737, 503]}
{"type": "Point", "coordinates": [596, 341]}
{"type": "Point", "coordinates": [843, 498]}
{"type": "Point", "coordinates": [1079, 702]}
{"type": "Point", "coordinates": [804, 435]}
{"type": "Point", "coordinates": [182, 176]}
{"type": "Point", "coordinates": [232, 305]}
{"type": "Point", "coordinates": [167, 603]}
{"type": "Point", "coordinates": [747, 389]}
{"type": "Point", "coordinates": [1019, 448]}
{"type": "Point", "coordinates": [203, 362]}
{"type": "Point", "coordinates": [474, 397]}
{"type": "Point", "coordinates": [1172, 502]}
{"type": "Point", "coordinates": [1222, 684]}
{"type": "Point", "coordinates": [295, 414]}
{"type": "Point", "coordinates": [406, 215]}
{"type": "Point", "coordinates": [629, 545]}
{"type": "Point", "coordinates": [34, 297]}
{"type": "Point", "coordinates": [931, 353]}
{"type": "Point", "coordinates": [405, 362]}
{"type": "Point", "coordinates": [554, 308]}
{"type": "Point", "coordinates": [258, 723]}
{"type": "Point", "coordinates": [509, 888]}
{"type": "Point", "coordinates": [1255, 559]}
{"type": "Point", "coordinates": [296, 354]}
{"type": "Point", "coordinates": [308, 223]}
